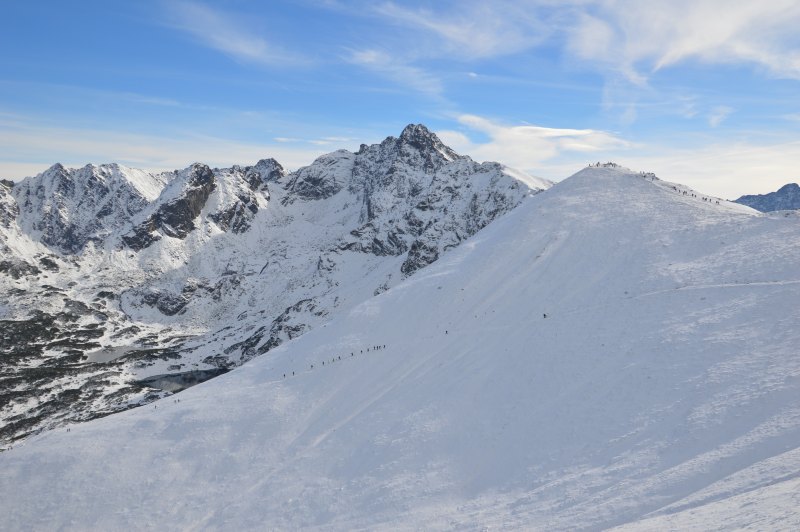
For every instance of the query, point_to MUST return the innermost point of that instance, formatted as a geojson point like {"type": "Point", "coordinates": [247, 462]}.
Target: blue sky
{"type": "Point", "coordinates": [703, 92]}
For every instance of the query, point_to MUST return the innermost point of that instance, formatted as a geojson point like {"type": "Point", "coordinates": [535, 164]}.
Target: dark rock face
{"type": "Point", "coordinates": [238, 202]}
{"type": "Point", "coordinates": [420, 255]}
{"type": "Point", "coordinates": [9, 210]}
{"type": "Point", "coordinates": [289, 324]}
{"type": "Point", "coordinates": [167, 304]}
{"type": "Point", "coordinates": [263, 172]}
{"type": "Point", "coordinates": [141, 237]}
{"type": "Point", "coordinates": [238, 217]}
{"type": "Point", "coordinates": [784, 199]}
{"type": "Point", "coordinates": [17, 268]}
{"type": "Point", "coordinates": [175, 218]}
{"type": "Point", "coordinates": [49, 264]}
{"type": "Point", "coordinates": [327, 176]}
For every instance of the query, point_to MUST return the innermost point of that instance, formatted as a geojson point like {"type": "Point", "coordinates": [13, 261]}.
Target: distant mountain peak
{"type": "Point", "coordinates": [267, 170]}
{"type": "Point", "coordinates": [416, 130]}
{"type": "Point", "coordinates": [784, 199]}
{"type": "Point", "coordinates": [424, 140]}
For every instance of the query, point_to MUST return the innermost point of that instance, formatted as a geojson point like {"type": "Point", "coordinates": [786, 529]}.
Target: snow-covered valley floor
{"type": "Point", "coordinates": [611, 353]}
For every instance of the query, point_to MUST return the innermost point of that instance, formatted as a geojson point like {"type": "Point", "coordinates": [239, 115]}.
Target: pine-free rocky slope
{"type": "Point", "coordinates": [120, 285]}
{"type": "Point", "coordinates": [661, 390]}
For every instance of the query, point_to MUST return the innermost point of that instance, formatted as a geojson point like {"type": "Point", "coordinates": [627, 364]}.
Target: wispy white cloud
{"type": "Point", "coordinates": [397, 70]}
{"type": "Point", "coordinates": [467, 31]}
{"type": "Point", "coordinates": [629, 37]}
{"type": "Point", "coordinates": [637, 38]}
{"type": "Point", "coordinates": [226, 33]}
{"type": "Point", "coordinates": [474, 30]}
{"type": "Point", "coordinates": [528, 147]}
{"type": "Point", "coordinates": [626, 40]}
{"type": "Point", "coordinates": [718, 115]}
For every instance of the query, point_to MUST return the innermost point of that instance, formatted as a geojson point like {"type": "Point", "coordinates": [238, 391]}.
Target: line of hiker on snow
{"type": "Point", "coordinates": [339, 357]}
{"type": "Point", "coordinates": [691, 195]}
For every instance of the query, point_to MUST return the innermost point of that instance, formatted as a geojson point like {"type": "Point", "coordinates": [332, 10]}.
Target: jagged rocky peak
{"type": "Point", "coordinates": [785, 198]}
{"type": "Point", "coordinates": [417, 148]}
{"type": "Point", "coordinates": [66, 209]}
{"type": "Point", "coordinates": [426, 143]}
{"type": "Point", "coordinates": [265, 171]}
{"type": "Point", "coordinates": [174, 212]}
{"type": "Point", "coordinates": [384, 165]}
{"type": "Point", "coordinates": [196, 176]}
{"type": "Point", "coordinates": [420, 197]}
{"type": "Point", "coordinates": [241, 192]}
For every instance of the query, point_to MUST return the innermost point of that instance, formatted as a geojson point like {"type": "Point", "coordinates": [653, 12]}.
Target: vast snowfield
{"type": "Point", "coordinates": [613, 352]}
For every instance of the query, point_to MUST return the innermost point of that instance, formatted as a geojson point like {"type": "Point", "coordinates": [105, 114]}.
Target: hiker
{"type": "Point", "coordinates": [544, 315]}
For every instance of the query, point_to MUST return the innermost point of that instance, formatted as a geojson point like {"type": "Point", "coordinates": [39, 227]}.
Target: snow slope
{"type": "Point", "coordinates": [661, 389]}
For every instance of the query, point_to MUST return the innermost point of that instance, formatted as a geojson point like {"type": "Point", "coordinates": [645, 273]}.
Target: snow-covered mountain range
{"type": "Point", "coordinates": [785, 198]}
{"type": "Point", "coordinates": [615, 351]}
{"type": "Point", "coordinates": [120, 285]}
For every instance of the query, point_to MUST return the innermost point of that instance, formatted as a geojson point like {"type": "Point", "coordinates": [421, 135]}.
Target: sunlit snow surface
{"type": "Point", "coordinates": [661, 390]}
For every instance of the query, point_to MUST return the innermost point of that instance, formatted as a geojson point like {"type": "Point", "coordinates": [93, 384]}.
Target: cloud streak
{"type": "Point", "coordinates": [626, 40]}
{"type": "Point", "coordinates": [718, 115]}
{"type": "Point", "coordinates": [398, 71]}
{"type": "Point", "coordinates": [475, 30]}
{"type": "Point", "coordinates": [223, 32]}
{"type": "Point", "coordinates": [529, 147]}
{"type": "Point", "coordinates": [636, 38]}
